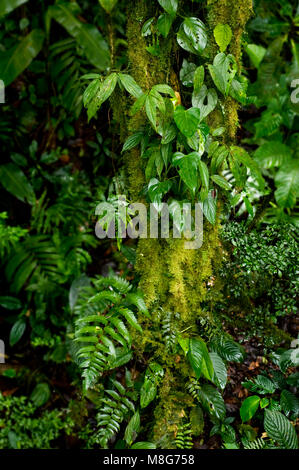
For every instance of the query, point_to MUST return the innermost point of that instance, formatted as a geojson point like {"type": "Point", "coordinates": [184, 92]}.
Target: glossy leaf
{"type": "Point", "coordinates": [14, 61]}
{"type": "Point", "coordinates": [249, 408]}
{"type": "Point", "coordinates": [17, 331]}
{"type": "Point", "coordinates": [87, 36]}
{"type": "Point", "coordinates": [14, 180]}
{"type": "Point", "coordinates": [6, 6]}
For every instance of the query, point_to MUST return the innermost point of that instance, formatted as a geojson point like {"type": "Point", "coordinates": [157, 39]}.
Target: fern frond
{"type": "Point", "coordinates": [116, 406]}
{"type": "Point", "coordinates": [183, 438]}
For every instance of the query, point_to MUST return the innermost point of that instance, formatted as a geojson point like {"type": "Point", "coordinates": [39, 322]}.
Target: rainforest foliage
{"type": "Point", "coordinates": [140, 342]}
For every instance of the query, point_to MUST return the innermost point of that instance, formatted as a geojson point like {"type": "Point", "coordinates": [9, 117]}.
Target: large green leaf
{"type": "Point", "coordinates": [279, 428]}
{"type": "Point", "coordinates": [192, 35]}
{"type": "Point", "coordinates": [6, 6]}
{"type": "Point", "coordinates": [205, 99]}
{"type": "Point", "coordinates": [10, 303]}
{"type": "Point", "coordinates": [212, 401]}
{"type": "Point", "coordinates": [14, 180]}
{"type": "Point", "coordinates": [287, 183]}
{"type": "Point", "coordinates": [209, 208]}
{"type": "Point", "coordinates": [199, 359]}
{"type": "Point", "coordinates": [222, 72]}
{"type": "Point", "coordinates": [220, 373]}
{"type": "Point", "coordinates": [272, 154]}
{"type": "Point", "coordinates": [14, 61]}
{"type": "Point", "coordinates": [187, 120]}
{"type": "Point", "coordinates": [249, 408]}
{"type": "Point", "coordinates": [188, 165]}
{"type": "Point", "coordinates": [87, 36]}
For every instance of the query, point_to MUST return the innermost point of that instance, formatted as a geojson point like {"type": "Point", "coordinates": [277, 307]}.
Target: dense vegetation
{"type": "Point", "coordinates": [142, 343]}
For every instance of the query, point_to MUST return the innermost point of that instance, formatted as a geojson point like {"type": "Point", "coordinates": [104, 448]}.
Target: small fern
{"type": "Point", "coordinates": [101, 328]}
{"type": "Point", "coordinates": [115, 407]}
{"type": "Point", "coordinates": [183, 438]}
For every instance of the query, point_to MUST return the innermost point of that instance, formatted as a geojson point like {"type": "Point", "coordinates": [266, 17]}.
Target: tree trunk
{"type": "Point", "coordinates": [174, 280]}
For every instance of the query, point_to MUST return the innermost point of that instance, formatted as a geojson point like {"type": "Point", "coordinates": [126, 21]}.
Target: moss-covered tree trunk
{"type": "Point", "coordinates": [174, 279]}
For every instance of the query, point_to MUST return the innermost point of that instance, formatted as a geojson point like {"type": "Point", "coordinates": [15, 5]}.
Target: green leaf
{"type": "Point", "coordinates": [41, 394]}
{"type": "Point", "coordinates": [132, 141]}
{"type": "Point", "coordinates": [170, 6]}
{"type": "Point", "coordinates": [289, 403]}
{"type": "Point", "coordinates": [187, 120]}
{"type": "Point", "coordinates": [187, 73]}
{"type": "Point", "coordinates": [220, 373]}
{"type": "Point", "coordinates": [205, 100]}
{"type": "Point", "coordinates": [14, 180]}
{"type": "Point", "coordinates": [256, 54]}
{"type": "Point", "coordinates": [148, 391]}
{"type": "Point", "coordinates": [164, 24]}
{"type": "Point", "coordinates": [108, 5]}
{"type": "Point", "coordinates": [249, 408]}
{"type": "Point", "coordinates": [204, 173]}
{"type": "Point", "coordinates": [223, 35]}
{"type": "Point", "coordinates": [212, 401]}
{"type": "Point", "coordinates": [17, 331]}
{"type": "Point", "coordinates": [130, 85]}
{"type": "Point", "coordinates": [86, 35]}
{"type": "Point", "coordinates": [222, 182]}
{"type": "Point", "coordinates": [287, 183]}
{"type": "Point", "coordinates": [272, 154]}
{"type": "Point", "coordinates": [223, 71]}
{"type": "Point", "coordinates": [102, 93]}
{"type": "Point", "coordinates": [279, 428]}
{"type": "Point", "coordinates": [192, 35]}
{"type": "Point", "coordinates": [14, 61]}
{"type": "Point", "coordinates": [7, 6]}
{"type": "Point", "coordinates": [209, 208]}
{"type": "Point", "coordinates": [229, 350]}
{"type": "Point", "coordinates": [132, 429]}
{"type": "Point", "coordinates": [243, 157]}
{"type": "Point", "coordinates": [198, 79]}
{"type": "Point", "coordinates": [188, 168]}
{"type": "Point", "coordinates": [10, 303]}
{"type": "Point", "coordinates": [143, 445]}
{"type": "Point", "coordinates": [199, 359]}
